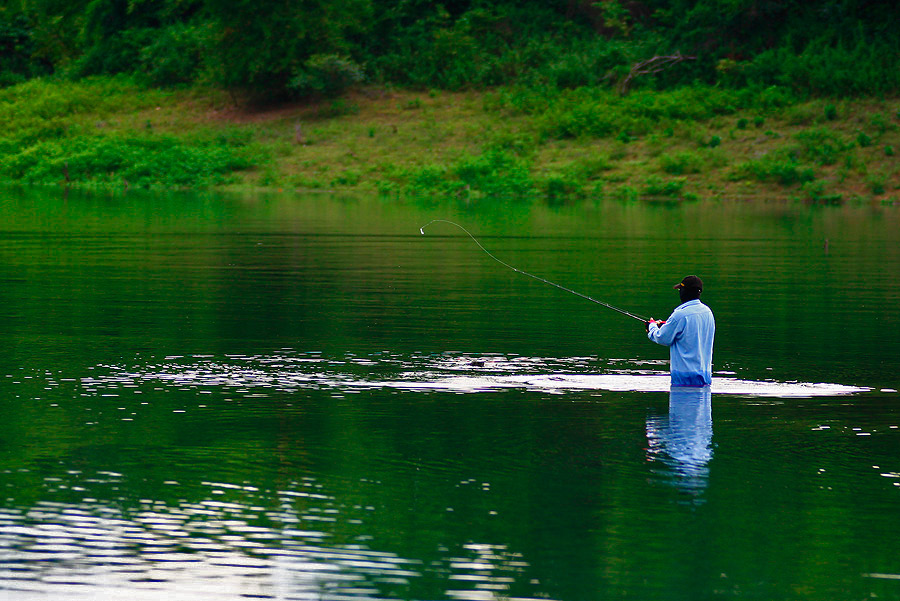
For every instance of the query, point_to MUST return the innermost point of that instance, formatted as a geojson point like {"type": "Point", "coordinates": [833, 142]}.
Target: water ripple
{"type": "Point", "coordinates": [55, 548]}
{"type": "Point", "coordinates": [273, 544]}
{"type": "Point", "coordinates": [253, 376]}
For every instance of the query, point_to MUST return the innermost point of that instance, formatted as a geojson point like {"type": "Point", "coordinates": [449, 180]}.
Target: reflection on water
{"type": "Point", "coordinates": [682, 440]}
{"type": "Point", "coordinates": [199, 549]}
{"type": "Point", "coordinates": [210, 549]}
{"type": "Point", "coordinates": [435, 426]}
{"type": "Point", "coordinates": [228, 541]}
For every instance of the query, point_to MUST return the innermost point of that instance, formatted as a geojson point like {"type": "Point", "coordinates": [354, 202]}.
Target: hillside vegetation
{"type": "Point", "coordinates": [558, 100]}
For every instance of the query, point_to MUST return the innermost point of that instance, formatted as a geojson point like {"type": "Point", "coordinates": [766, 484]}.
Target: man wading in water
{"type": "Point", "coordinates": [689, 334]}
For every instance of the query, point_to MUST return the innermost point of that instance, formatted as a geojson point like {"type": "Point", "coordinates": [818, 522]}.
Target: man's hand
{"type": "Point", "coordinates": [658, 323]}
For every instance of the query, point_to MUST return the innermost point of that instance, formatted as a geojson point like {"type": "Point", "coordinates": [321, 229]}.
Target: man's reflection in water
{"type": "Point", "coordinates": [683, 440]}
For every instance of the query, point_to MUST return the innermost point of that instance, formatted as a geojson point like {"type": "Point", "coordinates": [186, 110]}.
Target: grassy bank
{"type": "Point", "coordinates": [559, 146]}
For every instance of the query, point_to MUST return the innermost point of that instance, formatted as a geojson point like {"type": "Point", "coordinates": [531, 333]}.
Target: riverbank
{"type": "Point", "coordinates": [513, 144]}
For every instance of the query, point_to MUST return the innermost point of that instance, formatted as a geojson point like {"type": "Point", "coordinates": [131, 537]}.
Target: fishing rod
{"type": "Point", "coordinates": [531, 275]}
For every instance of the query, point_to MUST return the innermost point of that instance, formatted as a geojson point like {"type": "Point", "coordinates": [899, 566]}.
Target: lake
{"type": "Point", "coordinates": [210, 396]}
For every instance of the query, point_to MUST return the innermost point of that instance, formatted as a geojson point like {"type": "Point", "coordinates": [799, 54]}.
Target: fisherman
{"type": "Point", "coordinates": [689, 334]}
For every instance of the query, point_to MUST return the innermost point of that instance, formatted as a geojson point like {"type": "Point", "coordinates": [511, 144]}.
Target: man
{"type": "Point", "coordinates": [689, 334]}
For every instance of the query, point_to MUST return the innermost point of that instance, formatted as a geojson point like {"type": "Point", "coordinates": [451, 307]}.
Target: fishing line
{"type": "Point", "coordinates": [531, 275]}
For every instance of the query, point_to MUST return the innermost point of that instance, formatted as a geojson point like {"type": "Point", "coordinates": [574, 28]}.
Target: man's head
{"type": "Point", "coordinates": [689, 288]}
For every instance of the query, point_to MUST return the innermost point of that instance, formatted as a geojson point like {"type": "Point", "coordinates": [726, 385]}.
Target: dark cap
{"type": "Point", "coordinates": [690, 281]}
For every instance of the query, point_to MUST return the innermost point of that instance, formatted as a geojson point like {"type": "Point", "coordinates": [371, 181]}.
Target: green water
{"type": "Point", "coordinates": [288, 397]}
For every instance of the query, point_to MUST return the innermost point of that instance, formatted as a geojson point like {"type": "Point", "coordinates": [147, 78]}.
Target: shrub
{"type": "Point", "coordinates": [19, 60]}
{"type": "Point", "coordinates": [145, 162]}
{"type": "Point", "coordinates": [823, 146]}
{"type": "Point", "coordinates": [274, 49]}
{"type": "Point", "coordinates": [495, 173]}
{"type": "Point", "coordinates": [786, 171]}
{"type": "Point", "coordinates": [602, 113]}
{"type": "Point", "coordinates": [327, 75]}
{"type": "Point", "coordinates": [682, 163]}
{"type": "Point", "coordinates": [863, 139]}
{"type": "Point", "coordinates": [338, 108]}
{"type": "Point", "coordinates": [350, 177]}
{"type": "Point", "coordinates": [880, 123]}
{"type": "Point", "coordinates": [118, 52]}
{"type": "Point", "coordinates": [492, 174]}
{"type": "Point", "coordinates": [841, 61]}
{"type": "Point", "coordinates": [626, 194]}
{"type": "Point", "coordinates": [815, 191]}
{"type": "Point", "coordinates": [558, 189]}
{"type": "Point", "coordinates": [656, 187]}
{"type": "Point", "coordinates": [28, 104]}
{"type": "Point", "coordinates": [877, 184]}
{"type": "Point", "coordinates": [173, 56]}
{"type": "Point", "coordinates": [519, 143]}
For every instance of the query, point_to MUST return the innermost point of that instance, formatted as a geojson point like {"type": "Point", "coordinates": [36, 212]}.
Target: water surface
{"type": "Point", "coordinates": [288, 397]}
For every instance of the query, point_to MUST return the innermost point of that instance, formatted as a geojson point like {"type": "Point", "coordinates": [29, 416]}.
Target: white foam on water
{"type": "Point", "coordinates": [559, 383]}
{"type": "Point", "coordinates": [457, 374]}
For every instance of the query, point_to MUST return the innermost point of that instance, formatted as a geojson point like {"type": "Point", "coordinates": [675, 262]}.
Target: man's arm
{"type": "Point", "coordinates": [666, 334]}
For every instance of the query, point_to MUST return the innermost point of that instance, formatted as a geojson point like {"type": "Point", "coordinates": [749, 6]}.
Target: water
{"type": "Point", "coordinates": [289, 397]}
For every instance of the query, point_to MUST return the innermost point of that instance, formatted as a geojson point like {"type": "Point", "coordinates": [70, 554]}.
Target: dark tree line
{"type": "Point", "coordinates": [303, 47]}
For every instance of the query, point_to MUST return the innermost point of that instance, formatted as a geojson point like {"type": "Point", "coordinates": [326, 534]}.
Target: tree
{"type": "Point", "coordinates": [259, 46]}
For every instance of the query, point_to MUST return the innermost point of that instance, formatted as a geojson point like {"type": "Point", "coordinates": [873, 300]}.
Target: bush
{"type": "Point", "coordinates": [822, 146]}
{"type": "Point", "coordinates": [863, 139]}
{"type": "Point", "coordinates": [28, 104]}
{"type": "Point", "coordinates": [118, 53]}
{"type": "Point", "coordinates": [682, 163]}
{"type": "Point", "coordinates": [495, 174]}
{"type": "Point", "coordinates": [560, 188]}
{"type": "Point", "coordinates": [19, 60]}
{"type": "Point", "coordinates": [492, 174]}
{"type": "Point", "coordinates": [656, 187]}
{"type": "Point", "coordinates": [782, 170]}
{"type": "Point", "coordinates": [174, 56]}
{"type": "Point", "coordinates": [338, 108]}
{"type": "Point", "coordinates": [860, 63]}
{"type": "Point", "coordinates": [167, 162]}
{"type": "Point", "coordinates": [880, 123]}
{"type": "Point", "coordinates": [815, 191]}
{"type": "Point", "coordinates": [877, 184]}
{"type": "Point", "coordinates": [326, 75]}
{"type": "Point", "coordinates": [11, 78]}
{"type": "Point", "coordinates": [602, 113]}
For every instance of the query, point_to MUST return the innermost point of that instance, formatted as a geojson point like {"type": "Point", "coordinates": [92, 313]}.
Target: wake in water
{"type": "Point", "coordinates": [289, 371]}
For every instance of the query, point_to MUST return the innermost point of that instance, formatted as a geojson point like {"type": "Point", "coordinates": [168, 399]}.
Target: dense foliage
{"type": "Point", "coordinates": [282, 47]}
{"type": "Point", "coordinates": [59, 133]}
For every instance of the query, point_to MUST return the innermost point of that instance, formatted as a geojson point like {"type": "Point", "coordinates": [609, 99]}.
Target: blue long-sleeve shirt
{"type": "Point", "coordinates": [689, 334]}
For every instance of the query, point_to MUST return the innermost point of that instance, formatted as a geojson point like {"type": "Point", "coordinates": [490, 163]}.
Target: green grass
{"type": "Point", "coordinates": [506, 144]}
{"type": "Point", "coordinates": [162, 161]}
{"type": "Point", "coordinates": [101, 131]}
